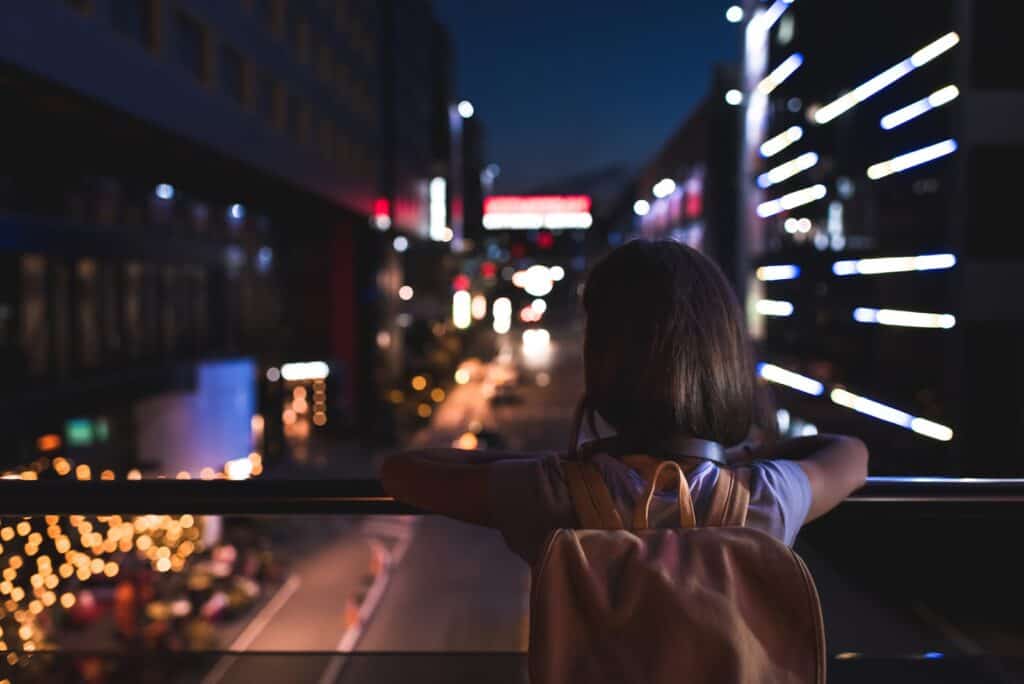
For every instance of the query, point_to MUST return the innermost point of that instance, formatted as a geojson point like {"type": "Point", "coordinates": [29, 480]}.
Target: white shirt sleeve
{"type": "Point", "coordinates": [780, 497]}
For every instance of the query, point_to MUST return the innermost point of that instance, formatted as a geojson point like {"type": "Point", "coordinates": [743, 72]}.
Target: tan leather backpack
{"type": "Point", "coordinates": [716, 603]}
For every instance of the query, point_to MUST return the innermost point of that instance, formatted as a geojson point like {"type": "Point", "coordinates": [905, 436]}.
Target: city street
{"type": "Point", "coordinates": [455, 589]}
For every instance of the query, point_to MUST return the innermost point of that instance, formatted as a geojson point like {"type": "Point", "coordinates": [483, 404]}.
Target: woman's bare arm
{"type": "Point", "coordinates": [450, 482]}
{"type": "Point", "coordinates": [835, 465]}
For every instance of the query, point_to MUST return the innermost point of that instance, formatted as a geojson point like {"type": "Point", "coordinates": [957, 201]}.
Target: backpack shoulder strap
{"type": "Point", "coordinates": [590, 497]}
{"type": "Point", "coordinates": [730, 498]}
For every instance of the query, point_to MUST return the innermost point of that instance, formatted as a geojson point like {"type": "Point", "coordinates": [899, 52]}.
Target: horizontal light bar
{"type": "Point", "coordinates": [903, 319]}
{"type": "Point", "coordinates": [886, 78]}
{"type": "Point", "coordinates": [891, 415]}
{"type": "Point", "coordinates": [791, 200]}
{"type": "Point", "coordinates": [778, 272]}
{"type": "Point", "coordinates": [787, 170]}
{"type": "Point", "coordinates": [911, 159]}
{"type": "Point", "coordinates": [581, 219]}
{"type": "Point", "coordinates": [774, 307]}
{"type": "Point", "coordinates": [922, 106]}
{"type": "Point", "coordinates": [310, 370]}
{"type": "Point", "coordinates": [781, 376]}
{"type": "Point", "coordinates": [780, 73]}
{"type": "Point", "coordinates": [924, 262]}
{"type": "Point", "coordinates": [776, 144]}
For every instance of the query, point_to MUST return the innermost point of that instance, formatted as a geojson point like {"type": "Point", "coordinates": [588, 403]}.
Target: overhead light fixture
{"type": "Point", "coordinates": [911, 159]}
{"type": "Point", "coordinates": [781, 376]}
{"type": "Point", "coordinates": [883, 80]}
{"type": "Point", "coordinates": [922, 106]}
{"type": "Point", "coordinates": [892, 415]}
{"type": "Point", "coordinates": [792, 200]}
{"type": "Point", "coordinates": [777, 272]}
{"type": "Point", "coordinates": [776, 144]}
{"type": "Point", "coordinates": [780, 73]}
{"type": "Point", "coordinates": [924, 262]}
{"type": "Point", "coordinates": [903, 319]}
{"type": "Point", "coordinates": [787, 170]}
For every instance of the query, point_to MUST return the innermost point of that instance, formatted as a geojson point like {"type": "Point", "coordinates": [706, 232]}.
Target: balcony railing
{"type": "Point", "coordinates": [314, 497]}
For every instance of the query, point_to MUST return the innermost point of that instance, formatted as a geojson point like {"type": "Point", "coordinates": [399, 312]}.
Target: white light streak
{"type": "Point", "coordinates": [462, 309]}
{"type": "Point", "coordinates": [501, 310]}
{"type": "Point", "coordinates": [776, 144]}
{"type": "Point", "coordinates": [903, 319]}
{"type": "Point", "coordinates": [792, 200]}
{"type": "Point", "coordinates": [780, 73]}
{"type": "Point", "coordinates": [774, 307]}
{"type": "Point", "coordinates": [438, 208]}
{"type": "Point", "coordinates": [309, 370]}
{"type": "Point", "coordinates": [911, 159]}
{"type": "Point", "coordinates": [763, 22]}
{"type": "Point", "coordinates": [526, 221]}
{"type": "Point", "coordinates": [922, 106]}
{"type": "Point", "coordinates": [787, 170]}
{"type": "Point", "coordinates": [781, 376]}
{"type": "Point", "coordinates": [897, 71]}
{"type": "Point", "coordinates": [892, 415]}
{"type": "Point", "coordinates": [777, 272]}
{"type": "Point", "coordinates": [479, 307]}
{"type": "Point", "coordinates": [924, 262]}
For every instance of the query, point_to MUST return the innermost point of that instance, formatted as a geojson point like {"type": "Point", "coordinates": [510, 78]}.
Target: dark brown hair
{"type": "Point", "coordinates": [665, 351]}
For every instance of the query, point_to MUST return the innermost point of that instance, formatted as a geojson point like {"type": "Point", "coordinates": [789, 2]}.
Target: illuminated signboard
{"type": "Point", "coordinates": [520, 212]}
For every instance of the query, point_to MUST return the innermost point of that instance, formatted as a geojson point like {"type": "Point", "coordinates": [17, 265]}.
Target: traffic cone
{"type": "Point", "coordinates": [351, 612]}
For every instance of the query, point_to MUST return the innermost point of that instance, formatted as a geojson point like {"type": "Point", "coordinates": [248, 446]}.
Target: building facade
{"type": "Point", "coordinates": [186, 182]}
{"type": "Point", "coordinates": [877, 225]}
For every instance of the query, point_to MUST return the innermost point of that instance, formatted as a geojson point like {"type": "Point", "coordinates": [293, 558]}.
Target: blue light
{"type": "Point", "coordinates": [237, 212]}
{"type": "Point", "coordinates": [932, 655]}
{"type": "Point", "coordinates": [164, 191]}
{"type": "Point", "coordinates": [777, 272]}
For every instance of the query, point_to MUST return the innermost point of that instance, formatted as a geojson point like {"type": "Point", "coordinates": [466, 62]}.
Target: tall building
{"type": "Point", "coordinates": [688, 191]}
{"type": "Point", "coordinates": [187, 181]}
{"type": "Point", "coordinates": [877, 189]}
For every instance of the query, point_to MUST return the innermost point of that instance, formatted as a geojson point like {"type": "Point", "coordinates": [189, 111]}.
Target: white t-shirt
{"type": "Point", "coordinates": [529, 498]}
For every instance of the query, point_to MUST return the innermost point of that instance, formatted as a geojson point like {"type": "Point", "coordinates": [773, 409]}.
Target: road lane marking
{"type": "Point", "coordinates": [253, 629]}
{"type": "Point", "coordinates": [350, 637]}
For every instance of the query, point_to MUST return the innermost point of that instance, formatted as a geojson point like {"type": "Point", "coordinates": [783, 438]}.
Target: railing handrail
{"type": "Point", "coordinates": [318, 497]}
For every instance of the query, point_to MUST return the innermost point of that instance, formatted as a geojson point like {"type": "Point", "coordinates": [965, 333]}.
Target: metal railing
{"type": "Point", "coordinates": [361, 497]}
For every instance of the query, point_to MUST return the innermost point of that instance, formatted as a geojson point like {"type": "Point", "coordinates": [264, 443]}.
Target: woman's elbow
{"type": "Point", "coordinates": [858, 463]}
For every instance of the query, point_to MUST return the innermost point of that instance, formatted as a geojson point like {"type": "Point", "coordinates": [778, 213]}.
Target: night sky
{"type": "Point", "coordinates": [569, 86]}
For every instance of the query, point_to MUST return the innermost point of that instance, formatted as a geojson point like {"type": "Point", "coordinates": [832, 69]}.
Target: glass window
{"type": "Point", "coordinates": [35, 331]}
{"type": "Point", "coordinates": [190, 44]}
{"type": "Point", "coordinates": [134, 19]}
{"type": "Point", "coordinates": [232, 73]}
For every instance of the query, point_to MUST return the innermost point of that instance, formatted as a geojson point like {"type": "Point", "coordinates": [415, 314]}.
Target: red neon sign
{"type": "Point", "coordinates": [536, 204]}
